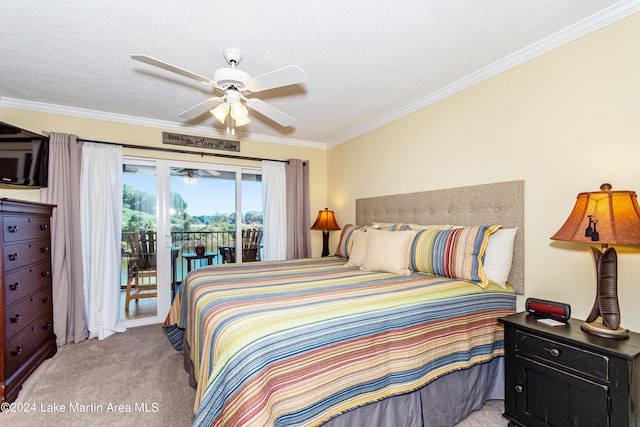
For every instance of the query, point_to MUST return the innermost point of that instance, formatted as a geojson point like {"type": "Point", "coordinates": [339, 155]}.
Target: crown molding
{"type": "Point", "coordinates": [588, 25]}
{"type": "Point", "coordinates": [142, 121]}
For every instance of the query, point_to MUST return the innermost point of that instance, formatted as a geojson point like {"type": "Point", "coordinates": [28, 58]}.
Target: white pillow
{"type": "Point", "coordinates": [388, 251]}
{"type": "Point", "coordinates": [499, 255]}
{"type": "Point", "coordinates": [359, 249]}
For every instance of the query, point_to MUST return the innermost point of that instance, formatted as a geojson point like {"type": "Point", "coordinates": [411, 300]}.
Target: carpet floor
{"type": "Point", "coordinates": [131, 379]}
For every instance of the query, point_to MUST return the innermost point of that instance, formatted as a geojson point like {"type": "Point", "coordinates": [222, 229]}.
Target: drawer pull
{"type": "Point", "coordinates": [13, 228]}
{"type": "Point", "coordinates": [17, 351]}
{"type": "Point", "coordinates": [44, 249]}
{"type": "Point", "coordinates": [45, 273]}
{"type": "Point", "coordinates": [14, 286]}
{"type": "Point", "coordinates": [46, 299]}
{"type": "Point", "coordinates": [16, 318]}
{"type": "Point", "coordinates": [46, 325]}
{"type": "Point", "coordinates": [554, 352]}
{"type": "Point", "coordinates": [519, 388]}
{"type": "Point", "coordinates": [44, 227]}
{"type": "Point", "coordinates": [13, 257]}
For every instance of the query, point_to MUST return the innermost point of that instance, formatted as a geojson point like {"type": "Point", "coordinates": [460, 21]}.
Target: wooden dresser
{"type": "Point", "coordinates": [26, 318]}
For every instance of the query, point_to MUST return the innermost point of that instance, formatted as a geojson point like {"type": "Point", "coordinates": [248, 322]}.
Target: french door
{"type": "Point", "coordinates": [178, 216]}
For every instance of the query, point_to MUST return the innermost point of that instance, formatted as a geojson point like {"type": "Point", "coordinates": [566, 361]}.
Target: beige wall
{"type": "Point", "coordinates": [564, 122]}
{"type": "Point", "coordinates": [148, 136]}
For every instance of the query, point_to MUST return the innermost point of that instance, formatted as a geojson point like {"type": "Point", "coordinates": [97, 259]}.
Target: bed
{"type": "Point", "coordinates": [344, 341]}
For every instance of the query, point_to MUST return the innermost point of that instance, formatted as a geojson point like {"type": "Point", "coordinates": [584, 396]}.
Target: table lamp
{"type": "Point", "coordinates": [326, 222]}
{"type": "Point", "coordinates": [610, 218]}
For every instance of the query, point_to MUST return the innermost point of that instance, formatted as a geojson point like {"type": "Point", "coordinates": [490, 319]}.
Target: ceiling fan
{"type": "Point", "coordinates": [235, 84]}
{"type": "Point", "coordinates": [194, 173]}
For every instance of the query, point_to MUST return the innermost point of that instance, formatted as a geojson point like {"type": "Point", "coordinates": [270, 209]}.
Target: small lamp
{"type": "Point", "coordinates": [611, 218]}
{"type": "Point", "coordinates": [326, 222]}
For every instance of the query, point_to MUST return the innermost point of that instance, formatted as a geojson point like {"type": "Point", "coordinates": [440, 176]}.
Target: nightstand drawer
{"type": "Point", "coordinates": [579, 360]}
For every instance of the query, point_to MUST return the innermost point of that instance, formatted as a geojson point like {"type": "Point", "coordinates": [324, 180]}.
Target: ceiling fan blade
{"type": "Point", "coordinates": [286, 76]}
{"type": "Point", "coordinates": [201, 108]}
{"type": "Point", "coordinates": [165, 66]}
{"type": "Point", "coordinates": [271, 112]}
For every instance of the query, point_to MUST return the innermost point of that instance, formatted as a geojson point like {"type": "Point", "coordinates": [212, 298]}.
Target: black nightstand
{"type": "Point", "coordinates": [562, 376]}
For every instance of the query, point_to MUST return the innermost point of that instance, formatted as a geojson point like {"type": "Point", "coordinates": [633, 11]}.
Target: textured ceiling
{"type": "Point", "coordinates": [368, 62]}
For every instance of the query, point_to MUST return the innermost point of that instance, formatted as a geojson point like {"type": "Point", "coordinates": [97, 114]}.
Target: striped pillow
{"type": "Point", "coordinates": [456, 253]}
{"type": "Point", "coordinates": [346, 239]}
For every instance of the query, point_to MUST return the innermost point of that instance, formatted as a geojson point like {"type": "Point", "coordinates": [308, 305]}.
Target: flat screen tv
{"type": "Point", "coordinates": [24, 157]}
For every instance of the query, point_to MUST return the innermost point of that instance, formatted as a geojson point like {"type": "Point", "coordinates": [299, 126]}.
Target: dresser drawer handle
{"type": "Point", "coordinates": [13, 257]}
{"type": "Point", "coordinates": [45, 273]}
{"type": "Point", "coordinates": [17, 351]}
{"type": "Point", "coordinates": [13, 228]}
{"type": "Point", "coordinates": [44, 227]}
{"type": "Point", "coordinates": [47, 325]}
{"type": "Point", "coordinates": [14, 286]}
{"type": "Point", "coordinates": [46, 300]}
{"type": "Point", "coordinates": [519, 388]}
{"type": "Point", "coordinates": [44, 249]}
{"type": "Point", "coordinates": [16, 318]}
{"type": "Point", "coordinates": [554, 352]}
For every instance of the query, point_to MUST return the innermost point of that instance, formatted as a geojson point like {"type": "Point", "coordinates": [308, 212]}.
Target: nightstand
{"type": "Point", "coordinates": [562, 376]}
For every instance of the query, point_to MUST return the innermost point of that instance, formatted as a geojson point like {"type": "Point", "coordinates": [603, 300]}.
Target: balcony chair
{"type": "Point", "coordinates": [250, 247]}
{"type": "Point", "coordinates": [141, 267]}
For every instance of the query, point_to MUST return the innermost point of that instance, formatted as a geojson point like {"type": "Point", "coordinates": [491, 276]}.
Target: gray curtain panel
{"type": "Point", "coordinates": [298, 222]}
{"type": "Point", "coordinates": [65, 157]}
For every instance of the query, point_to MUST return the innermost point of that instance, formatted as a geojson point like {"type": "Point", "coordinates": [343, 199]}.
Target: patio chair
{"type": "Point", "coordinates": [141, 267]}
{"type": "Point", "coordinates": [251, 239]}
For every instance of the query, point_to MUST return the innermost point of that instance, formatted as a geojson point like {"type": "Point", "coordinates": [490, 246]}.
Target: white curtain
{"type": "Point", "coordinates": [274, 201]}
{"type": "Point", "coordinates": [63, 190]}
{"type": "Point", "coordinates": [101, 225]}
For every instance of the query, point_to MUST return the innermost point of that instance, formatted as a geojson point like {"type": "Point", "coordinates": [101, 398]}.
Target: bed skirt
{"type": "Point", "coordinates": [441, 403]}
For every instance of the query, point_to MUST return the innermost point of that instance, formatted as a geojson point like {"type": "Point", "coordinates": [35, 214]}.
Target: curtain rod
{"type": "Point", "coordinates": [176, 150]}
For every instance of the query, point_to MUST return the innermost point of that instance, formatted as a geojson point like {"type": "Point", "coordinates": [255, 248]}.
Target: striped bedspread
{"type": "Point", "coordinates": [299, 342]}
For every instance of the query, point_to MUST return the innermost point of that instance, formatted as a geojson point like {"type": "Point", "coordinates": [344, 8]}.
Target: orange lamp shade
{"type": "Point", "coordinates": [607, 217]}
{"type": "Point", "coordinates": [325, 221]}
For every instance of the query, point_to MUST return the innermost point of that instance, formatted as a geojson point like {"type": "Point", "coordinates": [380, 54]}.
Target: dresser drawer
{"type": "Point", "coordinates": [24, 281]}
{"type": "Point", "coordinates": [579, 360]}
{"type": "Point", "coordinates": [19, 348]}
{"type": "Point", "coordinates": [16, 228]}
{"type": "Point", "coordinates": [22, 254]}
{"type": "Point", "coordinates": [24, 312]}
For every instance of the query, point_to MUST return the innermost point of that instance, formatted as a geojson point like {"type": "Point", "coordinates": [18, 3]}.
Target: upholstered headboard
{"type": "Point", "coordinates": [486, 204]}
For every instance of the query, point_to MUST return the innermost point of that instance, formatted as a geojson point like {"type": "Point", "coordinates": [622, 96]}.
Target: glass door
{"type": "Point", "coordinates": [202, 216]}
{"type": "Point", "coordinates": [213, 210]}
{"type": "Point", "coordinates": [251, 208]}
{"type": "Point", "coordinates": [179, 216]}
{"type": "Point", "coordinates": [139, 243]}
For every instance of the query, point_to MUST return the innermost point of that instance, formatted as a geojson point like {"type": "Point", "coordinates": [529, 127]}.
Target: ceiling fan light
{"type": "Point", "coordinates": [242, 121]}
{"type": "Point", "coordinates": [238, 111]}
{"type": "Point", "coordinates": [220, 112]}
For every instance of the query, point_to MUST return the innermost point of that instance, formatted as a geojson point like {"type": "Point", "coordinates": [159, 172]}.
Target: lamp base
{"type": "Point", "coordinates": [597, 327]}
{"type": "Point", "coordinates": [604, 318]}
{"type": "Point", "coordinates": [325, 243]}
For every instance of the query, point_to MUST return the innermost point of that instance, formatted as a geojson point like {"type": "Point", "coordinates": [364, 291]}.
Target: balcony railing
{"type": "Point", "coordinates": [186, 242]}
